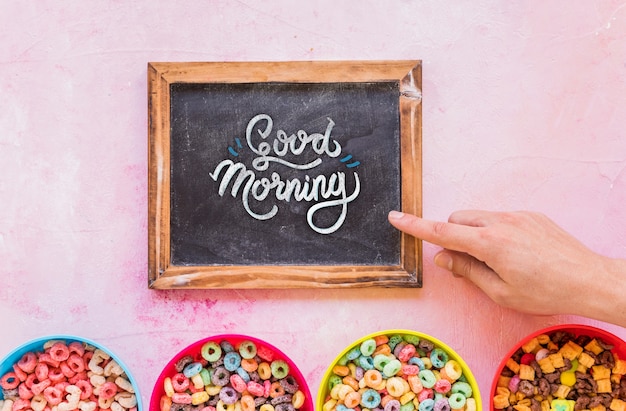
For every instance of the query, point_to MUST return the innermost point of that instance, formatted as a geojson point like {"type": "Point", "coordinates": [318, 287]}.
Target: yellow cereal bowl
{"type": "Point", "coordinates": [496, 397]}
{"type": "Point", "coordinates": [407, 337]}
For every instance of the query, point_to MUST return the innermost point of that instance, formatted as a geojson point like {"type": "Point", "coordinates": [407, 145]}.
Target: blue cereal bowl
{"type": "Point", "coordinates": [37, 345]}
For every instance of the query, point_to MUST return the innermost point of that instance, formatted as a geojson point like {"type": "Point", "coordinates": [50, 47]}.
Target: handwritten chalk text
{"type": "Point", "coordinates": [324, 191]}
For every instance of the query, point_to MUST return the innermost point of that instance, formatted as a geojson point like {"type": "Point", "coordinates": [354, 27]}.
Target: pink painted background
{"type": "Point", "coordinates": [524, 108]}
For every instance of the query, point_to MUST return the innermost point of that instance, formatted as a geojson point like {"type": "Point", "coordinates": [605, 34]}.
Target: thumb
{"type": "Point", "coordinates": [464, 265]}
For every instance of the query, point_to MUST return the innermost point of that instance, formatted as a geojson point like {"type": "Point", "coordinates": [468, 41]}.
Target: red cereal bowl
{"type": "Point", "coordinates": [231, 372]}
{"type": "Point", "coordinates": [39, 369]}
{"type": "Point", "coordinates": [547, 350]}
{"type": "Point", "coordinates": [425, 366]}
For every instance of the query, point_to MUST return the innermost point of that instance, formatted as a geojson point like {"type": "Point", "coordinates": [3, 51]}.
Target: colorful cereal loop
{"type": "Point", "coordinates": [457, 401]}
{"type": "Point", "coordinates": [297, 399]}
{"type": "Point", "coordinates": [428, 378]}
{"type": "Point", "coordinates": [181, 398]}
{"type": "Point", "coordinates": [427, 405]}
{"type": "Point", "coordinates": [367, 347]}
{"type": "Point", "coordinates": [249, 364]}
{"type": "Point", "coordinates": [381, 360]}
{"type": "Point", "coordinates": [247, 403]}
{"type": "Point", "coordinates": [392, 368]}
{"type": "Point", "coordinates": [367, 363]}
{"type": "Point", "coordinates": [192, 369]}
{"type": "Point", "coordinates": [393, 405]}
{"type": "Point", "coordinates": [9, 381]}
{"type": "Point", "coordinates": [370, 398]}
{"type": "Point", "coordinates": [276, 390]}
{"type": "Point", "coordinates": [395, 387]}
{"type": "Point", "coordinates": [59, 352]}
{"type": "Point", "coordinates": [28, 362]}
{"type": "Point", "coordinates": [199, 397]}
{"type": "Point", "coordinates": [353, 354]}
{"type": "Point", "coordinates": [438, 357]}
{"type": "Point", "coordinates": [211, 351]}
{"type": "Point", "coordinates": [394, 340]}
{"type": "Point", "coordinates": [255, 388]}
{"type": "Point", "coordinates": [352, 399]}
{"type": "Point", "coordinates": [247, 349]}
{"type": "Point", "coordinates": [453, 370]}
{"type": "Point", "coordinates": [373, 378]}
{"type": "Point", "coordinates": [462, 388]}
{"type": "Point", "coordinates": [264, 371]}
{"type": "Point", "coordinates": [280, 369]}
{"type": "Point", "coordinates": [232, 361]}
{"type": "Point", "coordinates": [220, 376]}
{"type": "Point", "coordinates": [238, 383]}
{"type": "Point", "coordinates": [180, 382]}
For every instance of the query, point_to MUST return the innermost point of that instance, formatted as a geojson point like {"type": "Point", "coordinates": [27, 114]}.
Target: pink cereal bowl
{"type": "Point", "coordinates": [234, 339]}
{"type": "Point", "coordinates": [37, 345]}
{"type": "Point", "coordinates": [619, 347]}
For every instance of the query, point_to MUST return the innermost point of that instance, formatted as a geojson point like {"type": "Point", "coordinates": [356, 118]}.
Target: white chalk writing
{"type": "Point", "coordinates": [322, 190]}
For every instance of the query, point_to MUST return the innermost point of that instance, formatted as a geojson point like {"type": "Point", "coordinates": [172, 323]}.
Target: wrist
{"type": "Point", "coordinates": [607, 298]}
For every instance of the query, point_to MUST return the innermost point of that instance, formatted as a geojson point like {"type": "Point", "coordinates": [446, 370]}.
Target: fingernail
{"type": "Point", "coordinates": [443, 260]}
{"type": "Point", "coordinates": [395, 215]}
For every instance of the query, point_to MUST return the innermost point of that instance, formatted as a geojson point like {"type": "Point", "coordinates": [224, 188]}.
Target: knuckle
{"type": "Point", "coordinates": [467, 269]}
{"type": "Point", "coordinates": [439, 228]}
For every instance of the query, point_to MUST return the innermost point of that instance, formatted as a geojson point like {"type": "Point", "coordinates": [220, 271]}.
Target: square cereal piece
{"type": "Point", "coordinates": [543, 339]}
{"type": "Point", "coordinates": [600, 372]}
{"type": "Point", "coordinates": [501, 399]}
{"type": "Point", "coordinates": [604, 385]}
{"type": "Point", "coordinates": [526, 372]}
{"type": "Point", "coordinates": [586, 359]}
{"type": "Point", "coordinates": [522, 405]}
{"type": "Point", "coordinates": [594, 347]}
{"type": "Point", "coordinates": [598, 407]}
{"type": "Point", "coordinates": [557, 360]}
{"type": "Point", "coordinates": [616, 379]}
{"type": "Point", "coordinates": [512, 365]}
{"type": "Point", "coordinates": [545, 405]}
{"type": "Point", "coordinates": [531, 345]}
{"type": "Point", "coordinates": [562, 391]}
{"type": "Point", "coordinates": [503, 381]}
{"type": "Point", "coordinates": [546, 365]}
{"type": "Point", "coordinates": [503, 391]}
{"type": "Point", "coordinates": [617, 405]}
{"type": "Point", "coordinates": [571, 350]}
{"type": "Point", "coordinates": [620, 367]}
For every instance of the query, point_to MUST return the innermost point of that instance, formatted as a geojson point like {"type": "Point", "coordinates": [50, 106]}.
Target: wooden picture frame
{"type": "Point", "coordinates": [163, 77]}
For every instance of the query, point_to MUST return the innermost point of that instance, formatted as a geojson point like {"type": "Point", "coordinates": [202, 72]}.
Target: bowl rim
{"type": "Point", "coordinates": [154, 403]}
{"type": "Point", "coordinates": [466, 369]}
{"type": "Point", "coordinates": [577, 329]}
{"type": "Point", "coordinates": [36, 344]}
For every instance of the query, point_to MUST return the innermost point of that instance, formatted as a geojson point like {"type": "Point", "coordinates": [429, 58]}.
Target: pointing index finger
{"type": "Point", "coordinates": [452, 236]}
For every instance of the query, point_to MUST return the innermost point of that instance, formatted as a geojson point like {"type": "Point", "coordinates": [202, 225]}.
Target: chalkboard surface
{"type": "Point", "coordinates": [282, 174]}
{"type": "Point", "coordinates": [216, 128]}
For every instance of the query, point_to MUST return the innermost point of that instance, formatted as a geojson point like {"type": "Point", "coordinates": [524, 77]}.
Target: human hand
{"type": "Point", "coordinates": [521, 260]}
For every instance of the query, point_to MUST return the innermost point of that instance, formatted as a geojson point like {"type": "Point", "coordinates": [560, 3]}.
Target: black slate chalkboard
{"type": "Point", "coordinates": [346, 136]}
{"type": "Point", "coordinates": [281, 174]}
